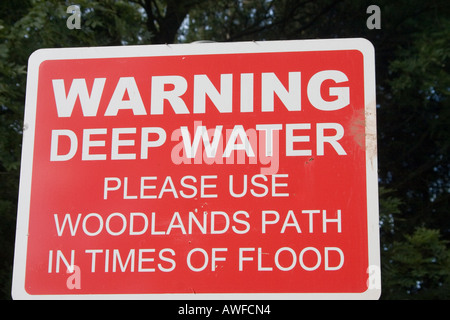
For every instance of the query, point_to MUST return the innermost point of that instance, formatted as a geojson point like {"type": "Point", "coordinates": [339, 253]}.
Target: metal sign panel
{"type": "Point", "coordinates": [219, 170]}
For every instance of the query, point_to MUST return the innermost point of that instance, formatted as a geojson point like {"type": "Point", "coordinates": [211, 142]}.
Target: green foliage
{"type": "Point", "coordinates": [103, 23]}
{"type": "Point", "coordinates": [415, 146]}
{"type": "Point", "coordinates": [415, 163]}
{"type": "Point", "coordinates": [389, 211]}
{"type": "Point", "coordinates": [417, 267]}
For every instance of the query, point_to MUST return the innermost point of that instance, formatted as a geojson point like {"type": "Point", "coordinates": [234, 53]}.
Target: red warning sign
{"type": "Point", "coordinates": [239, 169]}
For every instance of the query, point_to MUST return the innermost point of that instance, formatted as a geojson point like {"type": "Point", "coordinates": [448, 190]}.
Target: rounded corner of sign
{"type": "Point", "coordinates": [364, 46]}
{"type": "Point", "coordinates": [19, 293]}
{"type": "Point", "coordinates": [372, 294]}
{"type": "Point", "coordinates": [37, 57]}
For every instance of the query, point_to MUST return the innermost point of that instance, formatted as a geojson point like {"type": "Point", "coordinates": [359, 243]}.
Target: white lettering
{"type": "Point", "coordinates": [78, 89]}
{"type": "Point", "coordinates": [117, 102]}
{"type": "Point", "coordinates": [270, 84]}
{"type": "Point", "coordinates": [342, 93]}
{"type": "Point", "coordinates": [159, 94]}
{"type": "Point", "coordinates": [203, 87]}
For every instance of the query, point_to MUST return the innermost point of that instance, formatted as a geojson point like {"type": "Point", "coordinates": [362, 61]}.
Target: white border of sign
{"type": "Point", "coordinates": [39, 56]}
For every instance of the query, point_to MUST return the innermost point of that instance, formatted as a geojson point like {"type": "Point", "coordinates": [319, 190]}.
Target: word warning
{"type": "Point", "coordinates": [229, 170]}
